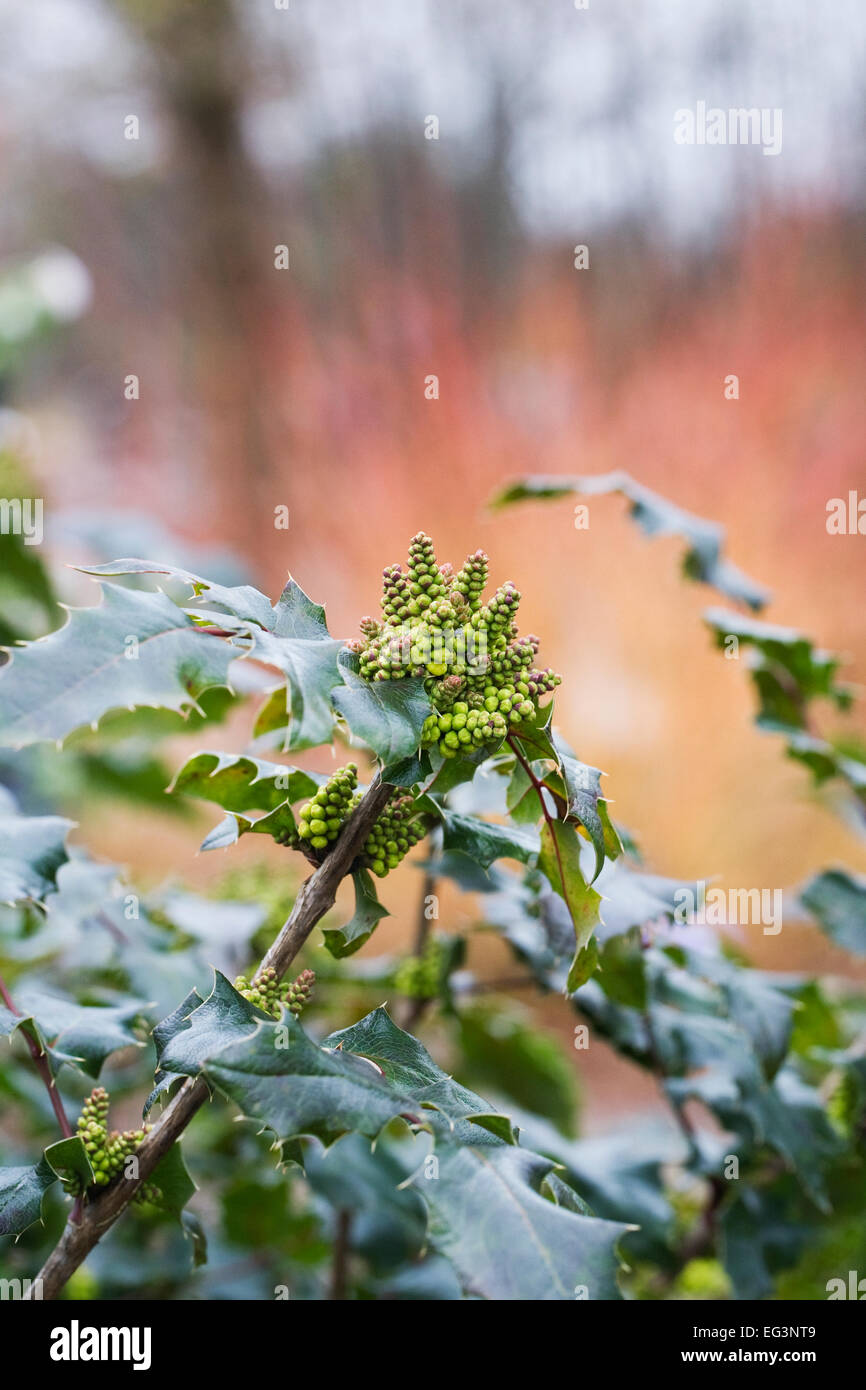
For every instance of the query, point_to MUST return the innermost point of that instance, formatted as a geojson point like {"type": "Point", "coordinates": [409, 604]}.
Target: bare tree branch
{"type": "Point", "coordinates": [316, 896]}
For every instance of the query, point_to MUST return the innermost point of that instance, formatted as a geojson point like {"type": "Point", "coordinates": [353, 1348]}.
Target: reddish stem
{"type": "Point", "coordinates": [40, 1062]}
{"type": "Point", "coordinates": [539, 791]}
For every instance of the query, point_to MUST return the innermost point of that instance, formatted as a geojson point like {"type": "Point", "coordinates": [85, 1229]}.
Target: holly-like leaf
{"type": "Point", "coordinates": [163, 1032]}
{"type": "Point", "coordinates": [585, 803]}
{"type": "Point", "coordinates": [69, 1159]}
{"type": "Point", "coordinates": [704, 559]}
{"type": "Point", "coordinates": [32, 850]}
{"type": "Point", "coordinates": [484, 841]}
{"type": "Point", "coordinates": [185, 1043]}
{"type": "Point", "coordinates": [21, 1193]}
{"type": "Point", "coordinates": [620, 1175]}
{"type": "Point", "coordinates": [296, 615]}
{"type": "Point", "coordinates": [837, 900]}
{"type": "Point", "coordinates": [243, 784]}
{"type": "Point", "coordinates": [242, 600]}
{"type": "Point", "coordinates": [723, 1055]}
{"type": "Point", "coordinates": [137, 648]}
{"type": "Point", "coordinates": [87, 1033]}
{"type": "Point", "coordinates": [287, 1082]}
{"type": "Point", "coordinates": [346, 940]}
{"type": "Point", "coordinates": [559, 861]}
{"type": "Point", "coordinates": [365, 1075]}
{"type": "Point", "coordinates": [788, 671]}
{"type": "Point", "coordinates": [386, 715]}
{"type": "Point", "coordinates": [174, 1182]}
{"type": "Point", "coordinates": [311, 671]}
{"type": "Point", "coordinates": [279, 824]}
{"type": "Point", "coordinates": [507, 1241]}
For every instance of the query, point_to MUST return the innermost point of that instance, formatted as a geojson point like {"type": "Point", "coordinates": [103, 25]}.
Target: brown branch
{"type": "Point", "coordinates": [317, 894]}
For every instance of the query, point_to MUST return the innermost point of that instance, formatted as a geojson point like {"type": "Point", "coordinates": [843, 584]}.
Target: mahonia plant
{"type": "Point", "coordinates": [440, 685]}
{"type": "Point", "coordinates": [107, 1150]}
{"type": "Point", "coordinates": [271, 995]}
{"type": "Point", "coordinates": [479, 674]}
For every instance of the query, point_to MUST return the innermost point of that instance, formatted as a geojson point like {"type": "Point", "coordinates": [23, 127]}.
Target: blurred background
{"type": "Point", "coordinates": [155, 155]}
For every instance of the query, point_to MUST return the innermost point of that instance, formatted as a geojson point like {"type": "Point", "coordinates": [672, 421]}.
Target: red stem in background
{"type": "Point", "coordinates": [40, 1062]}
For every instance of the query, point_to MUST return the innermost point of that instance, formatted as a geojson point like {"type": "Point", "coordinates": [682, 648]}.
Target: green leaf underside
{"type": "Point", "coordinates": [185, 1041]}
{"type": "Point", "coordinates": [21, 1193]}
{"type": "Point", "coordinates": [386, 715]}
{"type": "Point", "coordinates": [276, 823]}
{"type": "Point", "coordinates": [485, 841]}
{"type": "Point", "coordinates": [68, 1159]}
{"type": "Point", "coordinates": [656, 516]}
{"type": "Point", "coordinates": [32, 850]}
{"type": "Point", "coordinates": [787, 669]}
{"type": "Point", "coordinates": [584, 802]}
{"type": "Point", "coordinates": [311, 671]}
{"type": "Point", "coordinates": [76, 675]}
{"type": "Point", "coordinates": [838, 902]}
{"type": "Point", "coordinates": [346, 940]}
{"type": "Point", "coordinates": [240, 783]}
{"type": "Point", "coordinates": [505, 1240]}
{"type": "Point", "coordinates": [559, 861]}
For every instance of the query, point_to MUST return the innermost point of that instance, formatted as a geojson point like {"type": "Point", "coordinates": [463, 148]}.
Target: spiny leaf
{"type": "Point", "coordinates": [787, 669]}
{"type": "Point", "coordinates": [485, 841]}
{"type": "Point", "coordinates": [84, 1034]}
{"type": "Point", "coordinates": [359, 1079]}
{"type": "Point", "coordinates": [243, 784]}
{"type": "Point", "coordinates": [301, 1088]}
{"type": "Point", "coordinates": [527, 1248]}
{"type": "Point", "coordinates": [656, 516]}
{"type": "Point", "coordinates": [242, 601]}
{"type": "Point", "coordinates": [137, 648]}
{"type": "Point", "coordinates": [507, 1241]}
{"type": "Point", "coordinates": [279, 824]}
{"type": "Point", "coordinates": [311, 671]}
{"type": "Point", "coordinates": [296, 615]}
{"type": "Point", "coordinates": [584, 802]}
{"type": "Point", "coordinates": [386, 715]}
{"type": "Point", "coordinates": [163, 1032]}
{"type": "Point", "coordinates": [185, 1043]}
{"type": "Point", "coordinates": [559, 861]}
{"type": "Point", "coordinates": [21, 1193]}
{"type": "Point", "coordinates": [68, 1158]}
